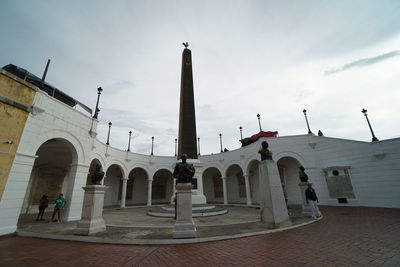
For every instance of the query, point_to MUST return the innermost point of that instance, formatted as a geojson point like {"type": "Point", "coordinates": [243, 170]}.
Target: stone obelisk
{"type": "Point", "coordinates": [187, 138]}
{"type": "Point", "coordinates": [187, 117]}
{"type": "Point", "coordinates": [184, 226]}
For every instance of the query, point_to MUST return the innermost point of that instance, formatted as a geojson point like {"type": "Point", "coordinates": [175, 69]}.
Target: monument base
{"type": "Point", "coordinates": [185, 230]}
{"type": "Point", "coordinates": [273, 209]}
{"type": "Point", "coordinates": [197, 198]}
{"type": "Point", "coordinates": [184, 225]}
{"type": "Point", "coordinates": [306, 209]}
{"type": "Point", "coordinates": [92, 211]}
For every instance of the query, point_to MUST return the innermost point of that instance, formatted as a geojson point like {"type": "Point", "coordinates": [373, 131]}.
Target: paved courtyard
{"type": "Point", "coordinates": [345, 237]}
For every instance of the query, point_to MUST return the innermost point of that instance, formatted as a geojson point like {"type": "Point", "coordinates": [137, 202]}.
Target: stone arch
{"type": "Point", "coordinates": [113, 179]}
{"type": "Point", "coordinates": [291, 154]}
{"type": "Point", "coordinates": [254, 180]}
{"type": "Point", "coordinates": [250, 161]}
{"type": "Point", "coordinates": [163, 167]}
{"type": "Point", "coordinates": [162, 186]}
{"type": "Point", "coordinates": [59, 134]}
{"type": "Point", "coordinates": [235, 183]}
{"type": "Point", "coordinates": [212, 185]}
{"type": "Point", "coordinates": [51, 173]}
{"type": "Point", "coordinates": [136, 188]}
{"type": "Point", "coordinates": [145, 168]}
{"type": "Point", "coordinates": [121, 165]}
{"type": "Point", "coordinates": [229, 164]}
{"type": "Point", "coordinates": [289, 173]}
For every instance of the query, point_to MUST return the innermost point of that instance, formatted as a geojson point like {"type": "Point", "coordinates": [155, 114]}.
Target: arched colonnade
{"type": "Point", "coordinates": [236, 182]}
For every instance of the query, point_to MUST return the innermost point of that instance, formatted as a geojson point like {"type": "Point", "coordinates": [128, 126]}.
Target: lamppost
{"type": "Point", "coordinates": [241, 135]}
{"type": "Point", "coordinates": [374, 139]}
{"type": "Point", "coordinates": [305, 115]}
{"type": "Point", "coordinates": [176, 141]}
{"type": "Point", "coordinates": [129, 142]}
{"type": "Point", "coordinates": [108, 136]}
{"type": "Point", "coordinates": [198, 144]}
{"type": "Point", "coordinates": [96, 111]}
{"type": "Point", "coordinates": [152, 143]}
{"type": "Point", "coordinates": [259, 123]}
{"type": "Point", "coordinates": [220, 141]}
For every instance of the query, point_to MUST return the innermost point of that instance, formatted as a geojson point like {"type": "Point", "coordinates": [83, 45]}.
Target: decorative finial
{"type": "Point", "coordinates": [185, 44]}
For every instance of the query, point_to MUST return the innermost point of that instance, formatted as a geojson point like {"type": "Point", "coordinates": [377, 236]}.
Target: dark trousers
{"type": "Point", "coordinates": [40, 214]}
{"type": "Point", "coordinates": [176, 206]}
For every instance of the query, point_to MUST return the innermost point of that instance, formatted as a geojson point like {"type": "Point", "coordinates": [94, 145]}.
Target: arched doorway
{"type": "Point", "coordinates": [162, 186]}
{"type": "Point", "coordinates": [136, 189]}
{"type": "Point", "coordinates": [113, 179]}
{"type": "Point", "coordinates": [289, 172]}
{"type": "Point", "coordinates": [50, 174]}
{"type": "Point", "coordinates": [212, 185]}
{"type": "Point", "coordinates": [236, 185]}
{"type": "Point", "coordinates": [254, 180]}
{"type": "Point", "coordinates": [92, 168]}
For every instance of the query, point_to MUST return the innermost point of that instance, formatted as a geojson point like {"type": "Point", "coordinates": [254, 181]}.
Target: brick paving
{"type": "Point", "coordinates": [345, 237]}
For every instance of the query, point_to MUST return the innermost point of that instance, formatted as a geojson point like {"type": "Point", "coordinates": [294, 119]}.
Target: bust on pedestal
{"type": "Point", "coordinates": [92, 211]}
{"type": "Point", "coordinates": [273, 210]}
{"type": "Point", "coordinates": [184, 225]}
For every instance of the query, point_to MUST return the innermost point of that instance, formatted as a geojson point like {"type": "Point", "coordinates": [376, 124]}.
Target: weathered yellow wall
{"type": "Point", "coordinates": [12, 122]}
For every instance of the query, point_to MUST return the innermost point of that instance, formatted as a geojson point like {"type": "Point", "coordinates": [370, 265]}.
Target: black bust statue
{"type": "Point", "coordinates": [97, 175]}
{"type": "Point", "coordinates": [302, 175]}
{"type": "Point", "coordinates": [184, 171]}
{"type": "Point", "coordinates": [265, 152]}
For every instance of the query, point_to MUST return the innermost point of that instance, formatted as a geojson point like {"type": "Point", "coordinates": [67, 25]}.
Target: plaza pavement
{"type": "Point", "coordinates": [346, 236]}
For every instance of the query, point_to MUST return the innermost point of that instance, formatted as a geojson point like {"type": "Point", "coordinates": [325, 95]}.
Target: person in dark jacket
{"type": "Point", "coordinates": [312, 200]}
{"type": "Point", "coordinates": [43, 204]}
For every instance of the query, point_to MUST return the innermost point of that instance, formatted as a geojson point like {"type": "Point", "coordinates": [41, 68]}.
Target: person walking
{"type": "Point", "coordinates": [43, 204]}
{"type": "Point", "coordinates": [312, 200]}
{"type": "Point", "coordinates": [59, 205]}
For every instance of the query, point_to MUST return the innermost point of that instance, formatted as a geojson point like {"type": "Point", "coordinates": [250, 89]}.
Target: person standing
{"type": "Point", "coordinates": [43, 204]}
{"type": "Point", "coordinates": [312, 200]}
{"type": "Point", "coordinates": [175, 200]}
{"type": "Point", "coordinates": [59, 205]}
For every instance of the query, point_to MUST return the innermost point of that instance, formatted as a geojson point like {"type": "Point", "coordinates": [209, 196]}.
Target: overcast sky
{"type": "Point", "coordinates": [275, 58]}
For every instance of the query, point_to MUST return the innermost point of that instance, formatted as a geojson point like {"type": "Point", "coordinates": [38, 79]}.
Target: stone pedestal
{"type": "Point", "coordinates": [273, 209]}
{"type": "Point", "coordinates": [184, 226]}
{"type": "Point", "coordinates": [92, 211]}
{"type": "Point", "coordinates": [306, 209]}
{"type": "Point", "coordinates": [198, 196]}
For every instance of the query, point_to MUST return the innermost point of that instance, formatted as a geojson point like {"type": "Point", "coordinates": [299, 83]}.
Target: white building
{"type": "Point", "coordinates": [58, 149]}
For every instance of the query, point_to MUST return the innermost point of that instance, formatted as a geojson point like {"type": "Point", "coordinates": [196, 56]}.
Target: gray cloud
{"type": "Point", "coordinates": [127, 119]}
{"type": "Point", "coordinates": [119, 86]}
{"type": "Point", "coordinates": [364, 62]}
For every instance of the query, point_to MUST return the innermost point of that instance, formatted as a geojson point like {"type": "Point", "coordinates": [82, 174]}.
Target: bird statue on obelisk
{"type": "Point", "coordinates": [187, 116]}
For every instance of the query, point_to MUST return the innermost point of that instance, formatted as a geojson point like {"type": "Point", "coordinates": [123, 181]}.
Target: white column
{"type": "Point", "coordinates": [225, 190]}
{"type": "Point", "coordinates": [248, 195]}
{"type": "Point", "coordinates": [199, 177]}
{"type": "Point", "coordinates": [75, 193]}
{"type": "Point", "coordinates": [123, 193]}
{"type": "Point", "coordinates": [149, 190]}
{"type": "Point", "coordinates": [306, 208]}
{"type": "Point", "coordinates": [14, 192]}
{"type": "Point", "coordinates": [198, 196]}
